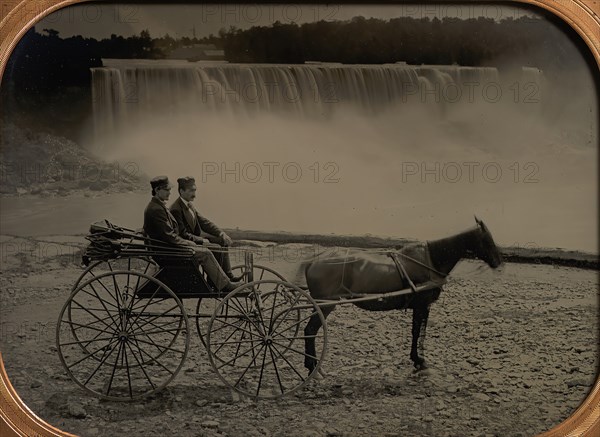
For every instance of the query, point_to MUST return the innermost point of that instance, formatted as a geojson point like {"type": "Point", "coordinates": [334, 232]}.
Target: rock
{"type": "Point", "coordinates": [577, 382]}
{"type": "Point", "coordinates": [35, 384]}
{"type": "Point", "coordinates": [389, 372]}
{"type": "Point", "coordinates": [76, 410]}
{"type": "Point", "coordinates": [212, 424]}
{"type": "Point", "coordinates": [481, 397]}
{"type": "Point", "coordinates": [473, 361]}
{"type": "Point", "coordinates": [92, 431]}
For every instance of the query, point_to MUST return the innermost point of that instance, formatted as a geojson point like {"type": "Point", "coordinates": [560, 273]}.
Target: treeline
{"type": "Point", "coordinates": [43, 60]}
{"type": "Point", "coordinates": [471, 42]}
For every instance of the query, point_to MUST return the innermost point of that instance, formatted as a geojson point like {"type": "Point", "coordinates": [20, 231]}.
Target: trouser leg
{"type": "Point", "coordinates": [222, 256]}
{"type": "Point", "coordinates": [211, 267]}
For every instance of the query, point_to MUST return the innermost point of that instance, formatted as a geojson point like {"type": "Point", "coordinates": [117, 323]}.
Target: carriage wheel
{"type": "Point", "coordinates": [139, 264]}
{"type": "Point", "coordinates": [264, 356]}
{"type": "Point", "coordinates": [206, 307]}
{"type": "Point", "coordinates": [125, 347]}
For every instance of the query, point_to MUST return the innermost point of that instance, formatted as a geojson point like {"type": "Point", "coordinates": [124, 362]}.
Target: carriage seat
{"type": "Point", "coordinates": [177, 268]}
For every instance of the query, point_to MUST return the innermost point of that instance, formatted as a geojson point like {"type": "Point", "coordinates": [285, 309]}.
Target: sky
{"type": "Point", "coordinates": [179, 20]}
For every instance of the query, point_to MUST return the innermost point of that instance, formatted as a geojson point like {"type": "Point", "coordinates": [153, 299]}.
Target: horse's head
{"type": "Point", "coordinates": [487, 250]}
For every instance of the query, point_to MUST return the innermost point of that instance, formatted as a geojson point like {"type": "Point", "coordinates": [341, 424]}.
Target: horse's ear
{"type": "Point", "coordinates": [479, 222]}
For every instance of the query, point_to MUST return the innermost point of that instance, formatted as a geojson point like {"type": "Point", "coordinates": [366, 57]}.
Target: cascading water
{"type": "Point", "coordinates": [127, 91]}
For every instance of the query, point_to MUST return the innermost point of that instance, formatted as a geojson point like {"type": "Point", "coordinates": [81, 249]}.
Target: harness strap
{"type": "Point", "coordinates": [402, 271]}
{"type": "Point", "coordinates": [443, 275]}
{"type": "Point", "coordinates": [342, 284]}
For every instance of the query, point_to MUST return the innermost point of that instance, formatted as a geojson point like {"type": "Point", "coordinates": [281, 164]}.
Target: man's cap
{"type": "Point", "coordinates": [186, 182]}
{"type": "Point", "coordinates": [160, 182]}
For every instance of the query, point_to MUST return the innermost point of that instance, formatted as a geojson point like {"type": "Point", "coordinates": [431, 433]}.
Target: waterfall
{"type": "Point", "coordinates": [125, 91]}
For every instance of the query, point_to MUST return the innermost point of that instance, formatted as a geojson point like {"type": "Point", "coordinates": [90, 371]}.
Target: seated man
{"type": "Point", "coordinates": [192, 224]}
{"type": "Point", "coordinates": [160, 224]}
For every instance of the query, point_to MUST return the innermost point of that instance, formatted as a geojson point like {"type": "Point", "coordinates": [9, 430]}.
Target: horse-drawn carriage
{"type": "Point", "coordinates": [124, 332]}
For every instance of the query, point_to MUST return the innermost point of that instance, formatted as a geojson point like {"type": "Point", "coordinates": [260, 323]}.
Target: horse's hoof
{"type": "Point", "coordinates": [420, 367]}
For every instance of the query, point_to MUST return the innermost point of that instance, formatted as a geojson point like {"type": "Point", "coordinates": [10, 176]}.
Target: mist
{"type": "Point", "coordinates": [417, 169]}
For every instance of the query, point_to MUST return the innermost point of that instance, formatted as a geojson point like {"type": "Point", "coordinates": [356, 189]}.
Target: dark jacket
{"type": "Point", "coordinates": [190, 230]}
{"type": "Point", "coordinates": [160, 224]}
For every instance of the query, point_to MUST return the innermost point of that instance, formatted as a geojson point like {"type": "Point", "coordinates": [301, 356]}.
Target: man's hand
{"type": "Point", "coordinates": [226, 239]}
{"type": "Point", "coordinates": [201, 241]}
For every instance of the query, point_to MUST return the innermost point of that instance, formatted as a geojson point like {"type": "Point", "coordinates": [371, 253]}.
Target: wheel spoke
{"type": "Point", "coordinates": [262, 370]}
{"type": "Point", "coordinates": [107, 290]}
{"type": "Point", "coordinates": [232, 325]}
{"type": "Point", "coordinates": [289, 364]}
{"type": "Point", "coordinates": [141, 366]}
{"type": "Point", "coordinates": [223, 343]}
{"type": "Point", "coordinates": [92, 353]}
{"type": "Point", "coordinates": [112, 375]}
{"type": "Point", "coordinates": [287, 348]}
{"type": "Point", "coordinates": [86, 341]}
{"type": "Point", "coordinates": [295, 324]}
{"type": "Point", "coordinates": [147, 333]}
{"type": "Point", "coordinates": [247, 367]}
{"type": "Point", "coordinates": [276, 370]}
{"type": "Point", "coordinates": [237, 342]}
{"type": "Point", "coordinates": [104, 306]}
{"type": "Point", "coordinates": [95, 294]}
{"type": "Point", "coordinates": [287, 312]}
{"type": "Point", "coordinates": [246, 315]}
{"type": "Point", "coordinates": [100, 364]}
{"type": "Point", "coordinates": [154, 317]}
{"type": "Point", "coordinates": [164, 348]}
{"type": "Point", "coordinates": [226, 363]}
{"type": "Point", "coordinates": [127, 367]}
{"type": "Point", "coordinates": [80, 326]}
{"type": "Point", "coordinates": [158, 287]}
{"type": "Point", "coordinates": [92, 314]}
{"type": "Point", "coordinates": [154, 360]}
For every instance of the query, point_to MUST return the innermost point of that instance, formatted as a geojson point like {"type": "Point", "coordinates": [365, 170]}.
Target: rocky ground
{"type": "Point", "coordinates": [41, 164]}
{"type": "Point", "coordinates": [511, 353]}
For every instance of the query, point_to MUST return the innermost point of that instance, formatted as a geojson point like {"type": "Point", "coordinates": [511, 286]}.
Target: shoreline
{"type": "Point", "coordinates": [518, 255]}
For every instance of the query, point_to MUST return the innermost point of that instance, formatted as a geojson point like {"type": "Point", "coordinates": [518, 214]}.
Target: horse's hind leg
{"type": "Point", "coordinates": [310, 331]}
{"type": "Point", "coordinates": [419, 321]}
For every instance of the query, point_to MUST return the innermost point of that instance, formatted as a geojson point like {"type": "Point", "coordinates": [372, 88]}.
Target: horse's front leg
{"type": "Point", "coordinates": [310, 332]}
{"type": "Point", "coordinates": [419, 320]}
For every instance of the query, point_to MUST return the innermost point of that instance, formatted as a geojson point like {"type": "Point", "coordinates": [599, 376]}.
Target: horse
{"type": "Point", "coordinates": [357, 274]}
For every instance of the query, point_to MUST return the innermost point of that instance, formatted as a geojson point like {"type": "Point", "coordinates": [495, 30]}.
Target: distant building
{"type": "Point", "coordinates": [198, 52]}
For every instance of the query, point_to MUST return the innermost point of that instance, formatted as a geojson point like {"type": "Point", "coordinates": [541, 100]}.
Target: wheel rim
{"type": "Point", "coordinates": [265, 359]}
{"type": "Point", "coordinates": [132, 347]}
{"type": "Point", "coordinates": [205, 308]}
